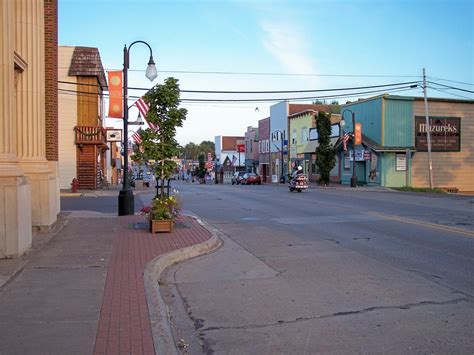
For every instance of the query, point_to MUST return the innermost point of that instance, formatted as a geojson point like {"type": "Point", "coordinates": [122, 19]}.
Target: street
{"type": "Point", "coordinates": [329, 270]}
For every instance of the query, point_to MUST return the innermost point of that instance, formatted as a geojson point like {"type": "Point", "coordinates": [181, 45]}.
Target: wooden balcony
{"type": "Point", "coordinates": [90, 135]}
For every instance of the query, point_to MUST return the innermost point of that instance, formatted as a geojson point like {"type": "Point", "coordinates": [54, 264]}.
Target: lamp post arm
{"type": "Point", "coordinates": [151, 51]}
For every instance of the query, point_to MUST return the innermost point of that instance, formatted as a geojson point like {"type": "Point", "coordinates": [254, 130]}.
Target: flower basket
{"type": "Point", "coordinates": [161, 225]}
{"type": "Point", "coordinates": [162, 213]}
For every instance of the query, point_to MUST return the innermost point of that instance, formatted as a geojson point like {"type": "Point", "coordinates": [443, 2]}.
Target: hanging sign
{"type": "Point", "coordinates": [358, 133]}
{"type": "Point", "coordinates": [115, 93]}
{"type": "Point", "coordinates": [114, 135]}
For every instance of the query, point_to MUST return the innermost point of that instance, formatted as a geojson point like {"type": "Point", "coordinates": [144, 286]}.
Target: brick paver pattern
{"type": "Point", "coordinates": [124, 324]}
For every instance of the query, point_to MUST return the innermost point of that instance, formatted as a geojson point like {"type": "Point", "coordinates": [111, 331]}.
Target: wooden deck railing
{"type": "Point", "coordinates": [90, 135]}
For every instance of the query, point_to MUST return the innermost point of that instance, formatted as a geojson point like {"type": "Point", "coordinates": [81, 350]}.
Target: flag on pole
{"type": "Point", "coordinates": [345, 139]}
{"type": "Point", "coordinates": [144, 108]}
{"type": "Point", "coordinates": [234, 159]}
{"type": "Point", "coordinates": [137, 138]}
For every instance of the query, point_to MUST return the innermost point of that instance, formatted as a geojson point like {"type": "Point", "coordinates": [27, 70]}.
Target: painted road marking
{"type": "Point", "coordinates": [422, 223]}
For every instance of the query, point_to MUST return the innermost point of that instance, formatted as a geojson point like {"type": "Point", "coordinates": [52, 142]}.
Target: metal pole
{"type": "Point", "coordinates": [282, 177]}
{"type": "Point", "coordinates": [354, 176]}
{"type": "Point", "coordinates": [126, 203]}
{"type": "Point", "coordinates": [428, 132]}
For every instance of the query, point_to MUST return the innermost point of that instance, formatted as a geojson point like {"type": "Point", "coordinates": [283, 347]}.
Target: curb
{"type": "Point", "coordinates": [70, 194]}
{"type": "Point", "coordinates": [158, 311]}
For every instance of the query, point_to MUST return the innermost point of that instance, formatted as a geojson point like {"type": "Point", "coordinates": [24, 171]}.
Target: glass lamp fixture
{"type": "Point", "coordinates": [151, 72]}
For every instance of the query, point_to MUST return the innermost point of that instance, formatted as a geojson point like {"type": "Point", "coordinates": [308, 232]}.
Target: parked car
{"type": "Point", "coordinates": [251, 178]}
{"type": "Point", "coordinates": [237, 177]}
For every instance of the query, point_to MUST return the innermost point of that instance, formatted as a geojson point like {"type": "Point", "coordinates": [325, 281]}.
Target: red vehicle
{"type": "Point", "coordinates": [251, 178]}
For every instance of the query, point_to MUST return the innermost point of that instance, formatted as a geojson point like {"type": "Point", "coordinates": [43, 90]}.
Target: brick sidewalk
{"type": "Point", "coordinates": [124, 324]}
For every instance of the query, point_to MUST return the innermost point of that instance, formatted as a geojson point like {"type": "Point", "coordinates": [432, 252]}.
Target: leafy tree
{"type": "Point", "coordinates": [160, 145]}
{"type": "Point", "coordinates": [192, 150]}
{"type": "Point", "coordinates": [325, 152]}
{"type": "Point", "coordinates": [201, 169]}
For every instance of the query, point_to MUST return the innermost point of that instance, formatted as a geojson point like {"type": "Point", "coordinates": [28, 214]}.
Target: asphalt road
{"type": "Point", "coordinates": [329, 270]}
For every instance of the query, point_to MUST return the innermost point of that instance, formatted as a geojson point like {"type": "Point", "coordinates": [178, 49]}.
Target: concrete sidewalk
{"type": "Point", "coordinates": [88, 286]}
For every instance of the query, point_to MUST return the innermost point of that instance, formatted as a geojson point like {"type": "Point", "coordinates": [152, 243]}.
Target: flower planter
{"type": "Point", "coordinates": [161, 226]}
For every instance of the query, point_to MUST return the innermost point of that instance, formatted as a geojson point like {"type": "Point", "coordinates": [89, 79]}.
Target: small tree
{"type": "Point", "coordinates": [201, 169]}
{"type": "Point", "coordinates": [325, 153]}
{"type": "Point", "coordinates": [160, 145]}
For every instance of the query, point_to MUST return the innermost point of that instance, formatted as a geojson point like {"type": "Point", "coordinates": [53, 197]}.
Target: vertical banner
{"type": "Point", "coordinates": [115, 94]}
{"type": "Point", "coordinates": [358, 133]}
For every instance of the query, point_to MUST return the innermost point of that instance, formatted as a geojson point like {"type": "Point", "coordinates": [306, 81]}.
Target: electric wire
{"type": "Point", "coordinates": [449, 93]}
{"type": "Point", "coordinates": [452, 81]}
{"type": "Point", "coordinates": [451, 87]}
{"type": "Point", "coordinates": [267, 92]}
{"type": "Point", "coordinates": [306, 98]}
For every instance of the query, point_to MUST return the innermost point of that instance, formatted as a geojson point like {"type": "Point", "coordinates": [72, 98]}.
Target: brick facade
{"type": "Point", "coordinates": [51, 78]}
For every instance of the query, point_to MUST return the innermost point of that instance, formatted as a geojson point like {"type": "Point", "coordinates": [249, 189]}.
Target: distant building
{"type": "Point", "coordinates": [304, 141]}
{"type": "Point", "coordinates": [251, 149]}
{"type": "Point", "coordinates": [264, 149]}
{"type": "Point", "coordinates": [279, 137]}
{"type": "Point", "coordinates": [227, 152]}
{"type": "Point", "coordinates": [393, 152]}
{"type": "Point", "coordinates": [82, 140]}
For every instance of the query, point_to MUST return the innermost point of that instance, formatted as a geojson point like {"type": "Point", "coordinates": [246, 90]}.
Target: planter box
{"type": "Point", "coordinates": [161, 226]}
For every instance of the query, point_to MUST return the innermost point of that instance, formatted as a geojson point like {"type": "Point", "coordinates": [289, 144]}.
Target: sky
{"type": "Point", "coordinates": [251, 45]}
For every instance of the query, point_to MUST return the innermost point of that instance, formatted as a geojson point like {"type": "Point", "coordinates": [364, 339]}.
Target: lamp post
{"type": "Point", "coordinates": [126, 203]}
{"type": "Point", "coordinates": [282, 176]}
{"type": "Point", "coordinates": [343, 123]}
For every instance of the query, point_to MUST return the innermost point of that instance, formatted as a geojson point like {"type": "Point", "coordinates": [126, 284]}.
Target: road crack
{"type": "Point", "coordinates": [341, 314]}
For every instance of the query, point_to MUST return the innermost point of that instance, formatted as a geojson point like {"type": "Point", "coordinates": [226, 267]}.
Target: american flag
{"type": "Point", "coordinates": [234, 159]}
{"type": "Point", "coordinates": [143, 108]}
{"type": "Point", "coordinates": [345, 139]}
{"type": "Point", "coordinates": [137, 138]}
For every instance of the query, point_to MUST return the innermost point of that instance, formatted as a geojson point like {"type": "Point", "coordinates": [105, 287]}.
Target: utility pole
{"type": "Point", "coordinates": [428, 132]}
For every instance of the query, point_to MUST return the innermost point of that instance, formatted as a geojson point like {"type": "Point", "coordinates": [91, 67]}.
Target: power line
{"type": "Point", "coordinates": [269, 99]}
{"type": "Point", "coordinates": [449, 93]}
{"type": "Point", "coordinates": [270, 92]}
{"type": "Point", "coordinates": [452, 81]}
{"type": "Point", "coordinates": [451, 87]}
{"type": "Point", "coordinates": [280, 74]}
{"type": "Point", "coordinates": [302, 98]}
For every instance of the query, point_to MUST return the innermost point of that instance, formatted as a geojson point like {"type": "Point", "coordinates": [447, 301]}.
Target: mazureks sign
{"type": "Point", "coordinates": [445, 134]}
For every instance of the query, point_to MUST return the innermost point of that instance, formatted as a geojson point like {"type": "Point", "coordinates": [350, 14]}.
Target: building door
{"type": "Point", "coordinates": [360, 172]}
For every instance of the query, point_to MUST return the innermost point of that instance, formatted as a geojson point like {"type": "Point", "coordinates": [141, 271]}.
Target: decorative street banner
{"type": "Point", "coordinates": [445, 134]}
{"type": "Point", "coordinates": [115, 93]}
{"type": "Point", "coordinates": [358, 134]}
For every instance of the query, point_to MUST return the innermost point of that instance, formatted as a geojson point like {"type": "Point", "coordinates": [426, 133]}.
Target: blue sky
{"type": "Point", "coordinates": [334, 44]}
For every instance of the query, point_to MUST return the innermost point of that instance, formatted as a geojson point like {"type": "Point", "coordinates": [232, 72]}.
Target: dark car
{"type": "Point", "coordinates": [237, 177]}
{"type": "Point", "coordinates": [251, 178]}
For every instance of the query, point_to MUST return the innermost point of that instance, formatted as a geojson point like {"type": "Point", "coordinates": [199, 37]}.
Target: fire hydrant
{"type": "Point", "coordinates": [74, 185]}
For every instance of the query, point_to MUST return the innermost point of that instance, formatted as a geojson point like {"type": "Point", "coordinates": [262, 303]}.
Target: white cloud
{"type": "Point", "coordinates": [289, 46]}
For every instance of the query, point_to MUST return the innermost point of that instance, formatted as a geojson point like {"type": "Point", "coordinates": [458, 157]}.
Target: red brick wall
{"type": "Point", "coordinates": [51, 78]}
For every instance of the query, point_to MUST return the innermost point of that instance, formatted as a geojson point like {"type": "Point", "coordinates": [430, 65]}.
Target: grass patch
{"type": "Point", "coordinates": [420, 189]}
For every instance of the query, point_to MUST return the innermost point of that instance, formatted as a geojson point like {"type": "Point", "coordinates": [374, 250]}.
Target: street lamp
{"type": "Point", "coordinates": [343, 123]}
{"type": "Point", "coordinates": [126, 203]}
{"type": "Point", "coordinates": [282, 176]}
